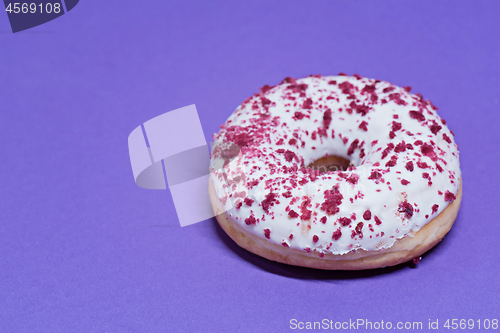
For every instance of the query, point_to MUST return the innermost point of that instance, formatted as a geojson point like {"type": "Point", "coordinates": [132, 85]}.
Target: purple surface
{"type": "Point", "coordinates": [83, 249]}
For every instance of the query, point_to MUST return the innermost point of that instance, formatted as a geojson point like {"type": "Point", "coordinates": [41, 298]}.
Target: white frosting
{"type": "Point", "coordinates": [264, 125]}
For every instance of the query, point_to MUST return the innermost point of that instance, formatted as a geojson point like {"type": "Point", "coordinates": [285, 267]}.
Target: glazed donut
{"type": "Point", "coordinates": [336, 172]}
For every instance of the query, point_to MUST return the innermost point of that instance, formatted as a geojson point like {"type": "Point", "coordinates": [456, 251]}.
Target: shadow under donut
{"type": "Point", "coordinates": [305, 273]}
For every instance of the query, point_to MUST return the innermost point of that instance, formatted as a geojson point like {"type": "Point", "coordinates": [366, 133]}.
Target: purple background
{"type": "Point", "coordinates": [83, 249]}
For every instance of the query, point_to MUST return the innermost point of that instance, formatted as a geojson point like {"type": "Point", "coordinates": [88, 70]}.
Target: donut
{"type": "Point", "coordinates": [336, 173]}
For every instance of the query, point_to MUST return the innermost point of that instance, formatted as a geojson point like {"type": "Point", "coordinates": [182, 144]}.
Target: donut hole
{"type": "Point", "coordinates": [330, 163]}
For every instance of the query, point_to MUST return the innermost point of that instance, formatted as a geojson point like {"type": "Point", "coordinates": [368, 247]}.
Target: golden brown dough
{"type": "Point", "coordinates": [403, 250]}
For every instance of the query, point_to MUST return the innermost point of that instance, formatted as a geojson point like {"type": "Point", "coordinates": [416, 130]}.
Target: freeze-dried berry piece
{"type": "Point", "coordinates": [363, 109]}
{"type": "Point", "coordinates": [406, 208]}
{"type": "Point", "coordinates": [353, 146]}
{"type": "Point", "coordinates": [387, 150]}
{"type": "Point", "coordinates": [359, 227]}
{"type": "Point", "coordinates": [396, 97]}
{"type": "Point", "coordinates": [417, 115]}
{"type": "Point", "coordinates": [307, 104]}
{"type": "Point", "coordinates": [450, 197]}
{"type": "Point", "coordinates": [363, 126]}
{"type": "Point", "coordinates": [446, 138]}
{"type": "Point", "coordinates": [375, 175]}
{"type": "Point", "coordinates": [337, 234]}
{"type": "Point", "coordinates": [327, 118]}
{"type": "Point", "coordinates": [290, 155]}
{"type": "Point", "coordinates": [400, 147]}
{"type": "Point", "coordinates": [268, 201]}
{"type": "Point", "coordinates": [250, 220]}
{"type": "Point", "coordinates": [435, 128]}
{"type": "Point", "coordinates": [299, 115]}
{"type": "Point", "coordinates": [267, 233]}
{"type": "Point", "coordinates": [344, 221]}
{"type": "Point", "coordinates": [333, 200]}
{"type": "Point", "coordinates": [396, 126]}
{"type": "Point", "coordinates": [422, 165]}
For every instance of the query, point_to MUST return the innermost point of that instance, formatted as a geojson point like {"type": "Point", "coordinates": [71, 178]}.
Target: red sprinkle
{"type": "Point", "coordinates": [353, 146]}
{"type": "Point", "coordinates": [265, 88]}
{"type": "Point", "coordinates": [298, 88]}
{"type": "Point", "coordinates": [417, 115]}
{"type": "Point", "coordinates": [450, 197]}
{"type": "Point", "coordinates": [327, 118]}
{"type": "Point", "coordinates": [375, 175]}
{"type": "Point", "coordinates": [290, 155]}
{"type": "Point", "coordinates": [363, 126]}
{"type": "Point", "coordinates": [435, 128]}
{"type": "Point", "coordinates": [345, 221]}
{"type": "Point", "coordinates": [299, 115]}
{"type": "Point", "coordinates": [268, 201]}
{"type": "Point", "coordinates": [422, 165]}
{"type": "Point", "coordinates": [267, 233]}
{"type": "Point", "coordinates": [446, 138]}
{"type": "Point", "coordinates": [307, 104]}
{"type": "Point", "coordinates": [400, 147]}
{"type": "Point", "coordinates": [396, 126]}
{"type": "Point", "coordinates": [367, 215]}
{"type": "Point", "coordinates": [333, 200]}
{"type": "Point", "coordinates": [337, 234]}
{"type": "Point", "coordinates": [353, 179]}
{"type": "Point", "coordinates": [306, 213]}
{"type": "Point", "coordinates": [407, 208]}
{"type": "Point", "coordinates": [392, 162]}
{"type": "Point", "coordinates": [346, 87]}
{"type": "Point", "coordinates": [248, 201]}
{"type": "Point", "coordinates": [363, 109]}
{"type": "Point", "coordinates": [390, 146]}
{"type": "Point", "coordinates": [396, 97]}
{"type": "Point", "coordinates": [358, 230]}
{"type": "Point", "coordinates": [428, 150]}
{"type": "Point", "coordinates": [250, 220]}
